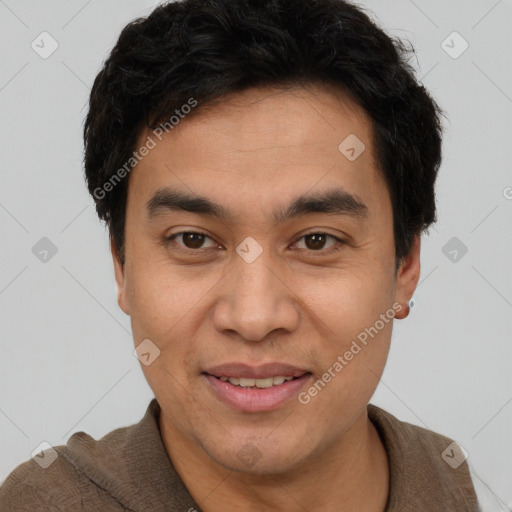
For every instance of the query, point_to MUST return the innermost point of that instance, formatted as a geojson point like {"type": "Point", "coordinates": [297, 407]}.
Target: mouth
{"type": "Point", "coordinates": [264, 383]}
{"type": "Point", "coordinates": [256, 389]}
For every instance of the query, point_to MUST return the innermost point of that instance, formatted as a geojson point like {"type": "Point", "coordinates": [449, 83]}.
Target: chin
{"type": "Point", "coordinates": [257, 457]}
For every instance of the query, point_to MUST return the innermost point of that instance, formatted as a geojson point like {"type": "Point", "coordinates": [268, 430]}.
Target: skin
{"type": "Point", "coordinates": [252, 152]}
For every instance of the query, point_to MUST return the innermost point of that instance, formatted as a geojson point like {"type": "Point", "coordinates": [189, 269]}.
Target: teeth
{"type": "Point", "coordinates": [264, 383]}
{"type": "Point", "coordinates": [258, 383]}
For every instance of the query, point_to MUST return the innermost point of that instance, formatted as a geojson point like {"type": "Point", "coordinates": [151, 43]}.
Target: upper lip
{"type": "Point", "coordinates": [256, 372]}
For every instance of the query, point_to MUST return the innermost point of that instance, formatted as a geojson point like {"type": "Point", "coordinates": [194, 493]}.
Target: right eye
{"type": "Point", "coordinates": [190, 240]}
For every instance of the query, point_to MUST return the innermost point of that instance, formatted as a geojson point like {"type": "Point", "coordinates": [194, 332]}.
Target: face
{"type": "Point", "coordinates": [256, 248]}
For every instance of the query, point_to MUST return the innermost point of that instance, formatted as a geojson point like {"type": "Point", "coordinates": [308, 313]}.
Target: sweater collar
{"type": "Point", "coordinates": [132, 465]}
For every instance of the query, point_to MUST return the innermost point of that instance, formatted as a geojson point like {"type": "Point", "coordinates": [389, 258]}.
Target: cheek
{"type": "Point", "coordinates": [347, 300]}
{"type": "Point", "coordinates": [168, 306]}
{"type": "Point", "coordinates": [156, 295]}
{"type": "Point", "coordinates": [352, 318]}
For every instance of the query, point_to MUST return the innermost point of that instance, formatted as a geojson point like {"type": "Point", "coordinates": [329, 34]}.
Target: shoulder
{"type": "Point", "coordinates": [75, 476]}
{"type": "Point", "coordinates": [426, 468]}
{"type": "Point", "coordinates": [32, 486]}
{"type": "Point", "coordinates": [127, 469]}
{"type": "Point", "coordinates": [408, 437]}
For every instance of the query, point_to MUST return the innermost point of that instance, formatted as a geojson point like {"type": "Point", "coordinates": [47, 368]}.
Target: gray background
{"type": "Point", "coordinates": [66, 349]}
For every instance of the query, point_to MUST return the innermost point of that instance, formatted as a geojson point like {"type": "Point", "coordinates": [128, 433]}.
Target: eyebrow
{"type": "Point", "coordinates": [333, 201]}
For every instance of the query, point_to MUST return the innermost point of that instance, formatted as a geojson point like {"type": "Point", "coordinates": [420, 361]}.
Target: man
{"type": "Point", "coordinates": [266, 170]}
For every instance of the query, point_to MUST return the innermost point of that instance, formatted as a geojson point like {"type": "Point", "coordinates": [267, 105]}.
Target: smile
{"type": "Point", "coordinates": [251, 394]}
{"type": "Point", "coordinates": [256, 383]}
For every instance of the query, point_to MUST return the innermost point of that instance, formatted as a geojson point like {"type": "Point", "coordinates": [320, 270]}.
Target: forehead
{"type": "Point", "coordinates": [263, 120]}
{"type": "Point", "coordinates": [261, 146]}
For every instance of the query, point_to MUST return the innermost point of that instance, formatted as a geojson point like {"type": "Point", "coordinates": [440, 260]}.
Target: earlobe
{"type": "Point", "coordinates": [408, 277]}
{"type": "Point", "coordinates": [119, 273]}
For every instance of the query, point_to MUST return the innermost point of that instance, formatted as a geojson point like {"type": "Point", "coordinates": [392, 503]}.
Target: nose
{"type": "Point", "coordinates": [255, 300]}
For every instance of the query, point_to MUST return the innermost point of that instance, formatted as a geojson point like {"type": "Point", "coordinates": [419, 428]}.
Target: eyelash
{"type": "Point", "coordinates": [334, 248]}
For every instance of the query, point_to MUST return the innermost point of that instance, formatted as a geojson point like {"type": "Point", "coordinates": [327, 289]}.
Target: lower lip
{"type": "Point", "coordinates": [256, 400]}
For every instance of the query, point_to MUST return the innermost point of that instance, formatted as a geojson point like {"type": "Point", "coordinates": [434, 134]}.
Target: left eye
{"type": "Point", "coordinates": [316, 241]}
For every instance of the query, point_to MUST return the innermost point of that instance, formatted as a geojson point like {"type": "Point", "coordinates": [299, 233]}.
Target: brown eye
{"type": "Point", "coordinates": [317, 241]}
{"type": "Point", "coordinates": [192, 240]}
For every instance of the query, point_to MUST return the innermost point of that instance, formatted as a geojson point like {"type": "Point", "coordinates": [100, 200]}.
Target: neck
{"type": "Point", "coordinates": [352, 475]}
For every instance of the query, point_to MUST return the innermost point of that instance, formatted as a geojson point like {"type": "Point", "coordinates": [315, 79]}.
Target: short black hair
{"type": "Point", "coordinates": [202, 50]}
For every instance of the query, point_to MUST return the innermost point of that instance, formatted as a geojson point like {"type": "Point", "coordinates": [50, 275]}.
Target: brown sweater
{"type": "Point", "coordinates": [129, 469]}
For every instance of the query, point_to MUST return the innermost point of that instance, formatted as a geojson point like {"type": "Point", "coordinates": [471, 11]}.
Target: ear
{"type": "Point", "coordinates": [407, 277]}
{"type": "Point", "coordinates": [119, 272]}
